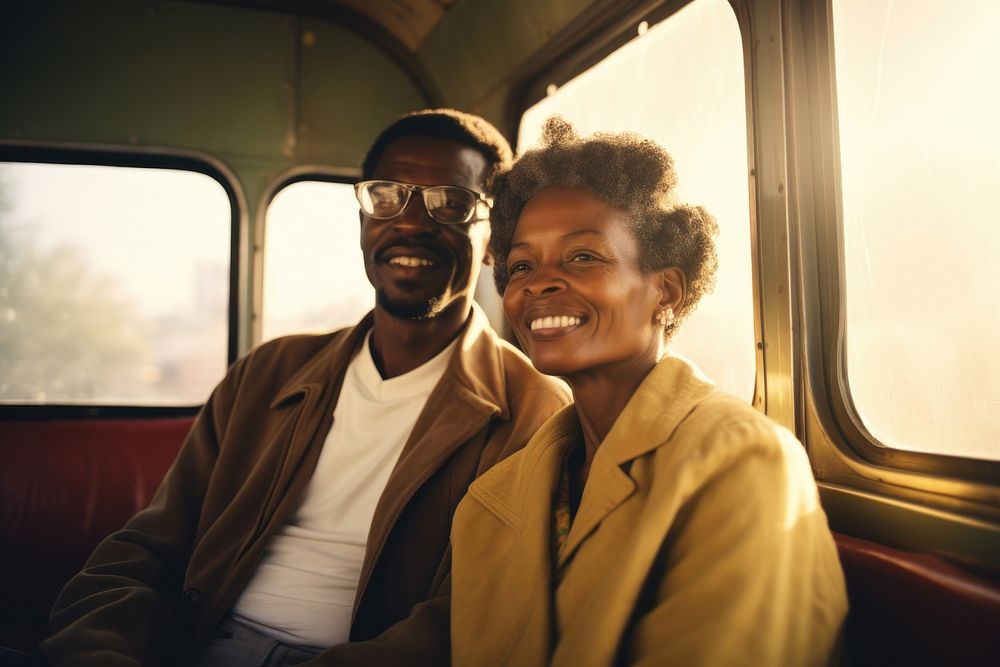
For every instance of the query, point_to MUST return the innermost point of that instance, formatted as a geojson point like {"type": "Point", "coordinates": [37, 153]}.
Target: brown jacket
{"type": "Point", "coordinates": [155, 590]}
{"type": "Point", "coordinates": [699, 541]}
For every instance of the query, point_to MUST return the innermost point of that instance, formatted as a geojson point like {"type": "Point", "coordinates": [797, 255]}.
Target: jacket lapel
{"type": "Point", "coordinates": [644, 429]}
{"type": "Point", "coordinates": [644, 425]}
{"type": "Point", "coordinates": [316, 388]}
{"type": "Point", "coordinates": [519, 492]}
{"type": "Point", "coordinates": [468, 396]}
{"type": "Point", "coordinates": [608, 486]}
{"type": "Point", "coordinates": [308, 396]}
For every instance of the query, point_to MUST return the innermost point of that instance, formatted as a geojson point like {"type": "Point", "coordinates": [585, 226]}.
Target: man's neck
{"type": "Point", "coordinates": [400, 345]}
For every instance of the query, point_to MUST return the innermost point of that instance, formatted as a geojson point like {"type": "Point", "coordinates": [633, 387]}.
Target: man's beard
{"type": "Point", "coordinates": [410, 310]}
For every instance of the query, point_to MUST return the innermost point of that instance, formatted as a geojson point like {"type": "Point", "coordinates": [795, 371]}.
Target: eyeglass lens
{"type": "Point", "coordinates": [444, 203]}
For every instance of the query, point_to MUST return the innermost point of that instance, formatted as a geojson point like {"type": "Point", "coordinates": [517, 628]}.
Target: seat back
{"type": "Point", "coordinates": [914, 609]}
{"type": "Point", "coordinates": [64, 486]}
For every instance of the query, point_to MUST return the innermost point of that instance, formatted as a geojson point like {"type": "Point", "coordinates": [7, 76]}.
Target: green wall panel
{"type": "Point", "coordinates": [350, 91]}
{"type": "Point", "coordinates": [171, 74]}
{"type": "Point", "coordinates": [480, 45]}
{"type": "Point", "coordinates": [243, 84]}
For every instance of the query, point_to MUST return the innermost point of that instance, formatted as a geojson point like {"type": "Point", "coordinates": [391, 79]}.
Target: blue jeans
{"type": "Point", "coordinates": [237, 645]}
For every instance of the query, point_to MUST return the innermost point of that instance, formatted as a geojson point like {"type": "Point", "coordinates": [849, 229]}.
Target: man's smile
{"type": "Point", "coordinates": [410, 261]}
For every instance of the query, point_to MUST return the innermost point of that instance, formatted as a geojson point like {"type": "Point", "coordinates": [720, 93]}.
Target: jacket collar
{"type": "Point", "coordinates": [664, 398]}
{"type": "Point", "coordinates": [476, 363]}
{"type": "Point", "coordinates": [322, 367]}
{"type": "Point", "coordinates": [471, 392]}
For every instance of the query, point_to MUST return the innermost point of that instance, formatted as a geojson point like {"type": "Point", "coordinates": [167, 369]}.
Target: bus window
{"type": "Point", "coordinates": [918, 103]}
{"type": "Point", "coordinates": [681, 84]}
{"type": "Point", "coordinates": [114, 284]}
{"type": "Point", "coordinates": [314, 275]}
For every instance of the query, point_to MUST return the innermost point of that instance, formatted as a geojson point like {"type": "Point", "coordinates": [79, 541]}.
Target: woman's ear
{"type": "Point", "coordinates": [673, 287]}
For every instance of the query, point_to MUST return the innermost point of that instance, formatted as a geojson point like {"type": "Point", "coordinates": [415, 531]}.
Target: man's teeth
{"type": "Point", "coordinates": [556, 322]}
{"type": "Point", "coordinates": [411, 261]}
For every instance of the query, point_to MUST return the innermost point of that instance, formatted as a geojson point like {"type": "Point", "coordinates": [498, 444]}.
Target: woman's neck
{"type": "Point", "coordinates": [600, 396]}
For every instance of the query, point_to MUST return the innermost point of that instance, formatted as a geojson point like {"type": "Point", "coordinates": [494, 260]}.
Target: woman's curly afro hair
{"type": "Point", "coordinates": [627, 172]}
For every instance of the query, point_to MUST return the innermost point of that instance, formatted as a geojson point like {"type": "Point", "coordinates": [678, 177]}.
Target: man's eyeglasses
{"type": "Point", "coordinates": [446, 204]}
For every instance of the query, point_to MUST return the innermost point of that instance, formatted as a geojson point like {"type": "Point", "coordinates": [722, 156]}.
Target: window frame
{"type": "Point", "coordinates": [937, 503]}
{"type": "Point", "coordinates": [591, 39]}
{"type": "Point", "coordinates": [297, 174]}
{"type": "Point", "coordinates": [830, 379]}
{"type": "Point", "coordinates": [36, 152]}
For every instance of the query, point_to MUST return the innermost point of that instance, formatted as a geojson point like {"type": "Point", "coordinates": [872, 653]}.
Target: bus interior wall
{"type": "Point", "coordinates": [262, 95]}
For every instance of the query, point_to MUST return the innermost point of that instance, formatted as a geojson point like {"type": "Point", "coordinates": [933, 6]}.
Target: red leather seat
{"type": "Point", "coordinates": [914, 609]}
{"type": "Point", "coordinates": [64, 486]}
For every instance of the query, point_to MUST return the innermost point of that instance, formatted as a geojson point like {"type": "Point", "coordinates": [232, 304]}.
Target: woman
{"type": "Point", "coordinates": [656, 520]}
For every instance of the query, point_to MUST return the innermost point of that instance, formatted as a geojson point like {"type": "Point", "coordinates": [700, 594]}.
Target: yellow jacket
{"type": "Point", "coordinates": [699, 541]}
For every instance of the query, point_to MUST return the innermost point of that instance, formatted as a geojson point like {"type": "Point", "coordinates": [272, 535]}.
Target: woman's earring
{"type": "Point", "coordinates": [665, 316]}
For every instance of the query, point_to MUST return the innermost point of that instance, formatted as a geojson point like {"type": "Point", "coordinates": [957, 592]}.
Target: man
{"type": "Point", "coordinates": [308, 511]}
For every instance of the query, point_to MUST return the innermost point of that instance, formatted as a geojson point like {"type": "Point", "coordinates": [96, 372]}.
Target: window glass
{"type": "Point", "coordinates": [919, 139]}
{"type": "Point", "coordinates": [681, 84]}
{"type": "Point", "coordinates": [114, 284]}
{"type": "Point", "coordinates": [314, 274]}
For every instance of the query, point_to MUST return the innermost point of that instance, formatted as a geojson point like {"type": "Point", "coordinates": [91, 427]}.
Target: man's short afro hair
{"type": "Point", "coordinates": [628, 173]}
{"type": "Point", "coordinates": [451, 124]}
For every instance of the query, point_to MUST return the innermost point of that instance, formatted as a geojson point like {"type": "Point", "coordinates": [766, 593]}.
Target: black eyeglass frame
{"type": "Point", "coordinates": [475, 213]}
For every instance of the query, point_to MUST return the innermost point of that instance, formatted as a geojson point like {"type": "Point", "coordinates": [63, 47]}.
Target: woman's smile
{"type": "Point", "coordinates": [577, 298]}
{"type": "Point", "coordinates": [554, 324]}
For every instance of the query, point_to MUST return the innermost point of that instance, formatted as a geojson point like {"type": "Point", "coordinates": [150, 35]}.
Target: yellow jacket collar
{"type": "Point", "coordinates": [510, 490]}
{"type": "Point", "coordinates": [674, 382]}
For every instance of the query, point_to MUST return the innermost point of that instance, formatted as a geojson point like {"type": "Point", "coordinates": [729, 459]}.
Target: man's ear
{"type": "Point", "coordinates": [673, 288]}
{"type": "Point", "coordinates": [487, 251]}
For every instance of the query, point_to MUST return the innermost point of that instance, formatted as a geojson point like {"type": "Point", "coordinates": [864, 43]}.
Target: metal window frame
{"type": "Point", "coordinates": [93, 154]}
{"type": "Point", "coordinates": [947, 505]}
{"type": "Point", "coordinates": [296, 174]}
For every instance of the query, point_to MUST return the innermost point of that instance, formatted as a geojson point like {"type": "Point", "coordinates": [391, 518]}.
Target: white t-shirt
{"type": "Point", "coordinates": [304, 587]}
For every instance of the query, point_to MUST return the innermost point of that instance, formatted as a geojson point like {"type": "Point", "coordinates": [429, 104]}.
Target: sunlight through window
{"type": "Point", "coordinates": [114, 284]}
{"type": "Point", "coordinates": [919, 140]}
{"type": "Point", "coordinates": [314, 274]}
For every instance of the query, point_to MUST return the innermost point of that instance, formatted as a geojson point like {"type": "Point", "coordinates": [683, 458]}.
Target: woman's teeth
{"type": "Point", "coordinates": [411, 261]}
{"type": "Point", "coordinates": [556, 322]}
